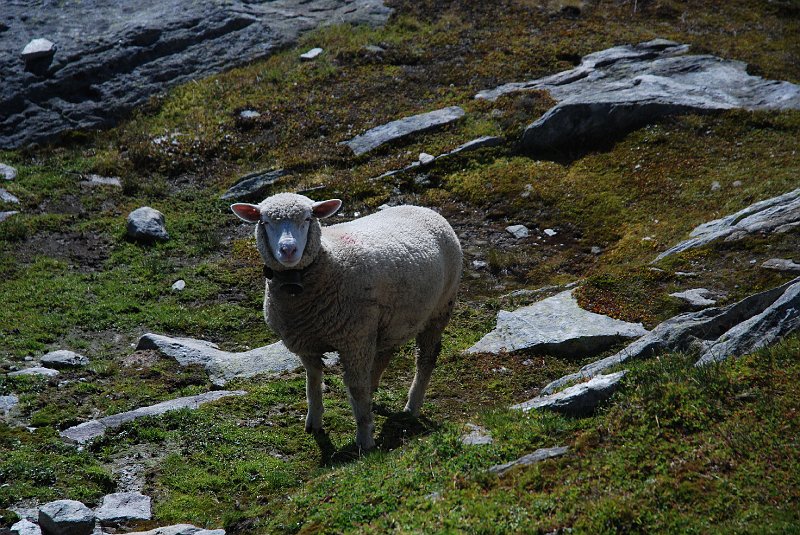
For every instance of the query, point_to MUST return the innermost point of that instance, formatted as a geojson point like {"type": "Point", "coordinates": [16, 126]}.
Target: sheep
{"type": "Point", "coordinates": [362, 288]}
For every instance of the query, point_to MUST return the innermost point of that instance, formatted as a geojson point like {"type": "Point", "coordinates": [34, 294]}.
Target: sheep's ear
{"type": "Point", "coordinates": [323, 209]}
{"type": "Point", "coordinates": [247, 212]}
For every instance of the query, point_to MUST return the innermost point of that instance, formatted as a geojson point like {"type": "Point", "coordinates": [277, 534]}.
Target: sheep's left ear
{"type": "Point", "coordinates": [323, 209]}
{"type": "Point", "coordinates": [247, 212]}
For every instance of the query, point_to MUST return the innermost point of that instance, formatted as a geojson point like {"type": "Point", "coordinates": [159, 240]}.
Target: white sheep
{"type": "Point", "coordinates": [361, 288]}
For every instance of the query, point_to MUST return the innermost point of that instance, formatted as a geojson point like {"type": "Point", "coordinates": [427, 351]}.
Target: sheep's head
{"type": "Point", "coordinates": [288, 233]}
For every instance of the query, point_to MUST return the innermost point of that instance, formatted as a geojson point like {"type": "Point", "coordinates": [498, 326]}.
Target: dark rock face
{"type": "Point", "coordinates": [616, 90]}
{"type": "Point", "coordinates": [112, 56]}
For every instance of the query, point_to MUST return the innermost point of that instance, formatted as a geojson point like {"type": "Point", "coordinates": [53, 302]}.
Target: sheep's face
{"type": "Point", "coordinates": [283, 223]}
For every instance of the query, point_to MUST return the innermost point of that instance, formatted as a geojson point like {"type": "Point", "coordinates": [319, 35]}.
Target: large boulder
{"type": "Point", "coordinates": [122, 507]}
{"type": "Point", "coordinates": [113, 56]}
{"type": "Point", "coordinates": [625, 87]}
{"type": "Point", "coordinates": [556, 325]}
{"type": "Point", "coordinates": [66, 517]}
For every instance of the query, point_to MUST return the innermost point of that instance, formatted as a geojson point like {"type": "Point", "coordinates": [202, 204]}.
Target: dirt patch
{"type": "Point", "coordinates": [84, 251]}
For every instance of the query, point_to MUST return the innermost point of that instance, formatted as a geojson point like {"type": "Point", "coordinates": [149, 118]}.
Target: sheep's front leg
{"type": "Point", "coordinates": [429, 344]}
{"type": "Point", "coordinates": [357, 378]}
{"type": "Point", "coordinates": [313, 366]}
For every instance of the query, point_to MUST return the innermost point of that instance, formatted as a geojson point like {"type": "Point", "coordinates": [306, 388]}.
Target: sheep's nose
{"type": "Point", "coordinates": [287, 249]}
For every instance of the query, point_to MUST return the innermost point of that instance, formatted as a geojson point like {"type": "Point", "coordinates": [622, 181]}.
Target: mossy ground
{"type": "Point", "coordinates": [678, 450]}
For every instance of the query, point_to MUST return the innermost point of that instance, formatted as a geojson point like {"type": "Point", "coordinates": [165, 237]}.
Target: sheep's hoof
{"type": "Point", "coordinates": [414, 413]}
{"type": "Point", "coordinates": [314, 430]}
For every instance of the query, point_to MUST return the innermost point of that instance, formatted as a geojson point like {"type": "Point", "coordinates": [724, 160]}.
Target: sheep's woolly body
{"type": "Point", "coordinates": [370, 285]}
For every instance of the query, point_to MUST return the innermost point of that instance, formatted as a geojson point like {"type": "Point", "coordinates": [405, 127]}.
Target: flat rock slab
{"type": "Point", "coordinates": [113, 56]}
{"type": "Point", "coordinates": [66, 517]}
{"type": "Point", "coordinates": [7, 403]}
{"type": "Point", "coordinates": [180, 529]}
{"type": "Point", "coordinates": [7, 172]}
{"type": "Point", "coordinates": [97, 180]}
{"type": "Point", "coordinates": [716, 333]}
{"type": "Point", "coordinates": [781, 264]}
{"type": "Point", "coordinates": [146, 224]}
{"type": "Point", "coordinates": [616, 90]}
{"type": "Point", "coordinates": [253, 186]}
{"type": "Point", "coordinates": [94, 428]}
{"type": "Point", "coordinates": [6, 196]}
{"type": "Point", "coordinates": [558, 326]}
{"type": "Point", "coordinates": [475, 144]}
{"type": "Point", "coordinates": [36, 370]}
{"type": "Point", "coordinates": [223, 366]}
{"type": "Point", "coordinates": [531, 458]}
{"type": "Point", "coordinates": [123, 507]}
{"type": "Point", "coordinates": [6, 215]}
{"type": "Point", "coordinates": [778, 214]}
{"type": "Point", "coordinates": [696, 297]}
{"type": "Point", "coordinates": [374, 138]}
{"type": "Point", "coordinates": [476, 436]}
{"type": "Point", "coordinates": [26, 527]}
{"type": "Point", "coordinates": [578, 399]}
{"type": "Point", "coordinates": [63, 359]}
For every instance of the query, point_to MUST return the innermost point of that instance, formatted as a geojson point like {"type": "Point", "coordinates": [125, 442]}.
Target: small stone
{"type": "Point", "coordinates": [47, 372]}
{"type": "Point", "coordinates": [63, 358]}
{"type": "Point", "coordinates": [179, 285]}
{"type": "Point", "coordinates": [479, 264]}
{"type": "Point", "coordinates": [5, 196]}
{"type": "Point", "coordinates": [781, 264]}
{"type": "Point", "coordinates": [7, 403]}
{"type": "Point", "coordinates": [6, 215]}
{"type": "Point", "coordinates": [697, 297]}
{"type": "Point", "coordinates": [596, 250]}
{"type": "Point", "coordinates": [66, 517]}
{"type": "Point", "coordinates": [550, 232]}
{"type": "Point", "coordinates": [425, 158]}
{"type": "Point", "coordinates": [124, 507]}
{"type": "Point", "coordinates": [477, 436]}
{"type": "Point", "coordinates": [374, 49]}
{"type": "Point", "coordinates": [311, 54]}
{"type": "Point", "coordinates": [249, 114]}
{"type": "Point", "coordinates": [737, 183]}
{"type": "Point", "coordinates": [715, 186]}
{"type": "Point", "coordinates": [97, 180]}
{"type": "Point", "coordinates": [146, 224]}
{"type": "Point", "coordinates": [38, 48]}
{"type": "Point", "coordinates": [7, 172]}
{"type": "Point", "coordinates": [26, 527]}
{"type": "Point", "coordinates": [518, 231]}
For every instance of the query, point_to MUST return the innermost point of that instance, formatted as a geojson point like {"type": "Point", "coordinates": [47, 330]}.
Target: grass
{"type": "Point", "coordinates": [678, 449]}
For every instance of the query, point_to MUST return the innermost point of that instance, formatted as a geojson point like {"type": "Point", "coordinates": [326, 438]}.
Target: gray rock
{"type": "Point", "coordinates": [531, 458]}
{"type": "Point", "coordinates": [518, 231]}
{"type": "Point", "coordinates": [97, 180]}
{"type": "Point", "coordinates": [311, 54]}
{"type": "Point", "coordinates": [778, 214]}
{"type": "Point", "coordinates": [112, 58]}
{"type": "Point", "coordinates": [94, 428]}
{"type": "Point", "coordinates": [38, 48]}
{"type": "Point", "coordinates": [5, 196]}
{"type": "Point", "coordinates": [556, 325]}
{"type": "Point", "coordinates": [146, 224]}
{"type": "Point", "coordinates": [253, 186]}
{"type": "Point", "coordinates": [66, 517]}
{"type": "Point", "coordinates": [475, 144]}
{"type": "Point", "coordinates": [596, 250]}
{"type": "Point", "coordinates": [781, 264]}
{"type": "Point", "coordinates": [7, 403]}
{"type": "Point", "coordinates": [249, 114]}
{"type": "Point", "coordinates": [6, 215]}
{"type": "Point", "coordinates": [180, 529]}
{"type": "Point", "coordinates": [697, 297]}
{"type": "Point", "coordinates": [222, 366]}
{"type": "Point", "coordinates": [7, 172]}
{"type": "Point", "coordinates": [550, 232]}
{"type": "Point", "coordinates": [124, 507]}
{"type": "Point", "coordinates": [395, 130]}
{"type": "Point", "coordinates": [25, 527]}
{"type": "Point", "coordinates": [477, 436]}
{"type": "Point", "coordinates": [578, 399]}
{"type": "Point", "coordinates": [425, 158]}
{"type": "Point", "coordinates": [716, 186]}
{"type": "Point", "coordinates": [712, 330]}
{"type": "Point", "coordinates": [63, 359]}
{"type": "Point", "coordinates": [179, 285]}
{"type": "Point", "coordinates": [36, 370]}
{"type": "Point", "coordinates": [625, 87]}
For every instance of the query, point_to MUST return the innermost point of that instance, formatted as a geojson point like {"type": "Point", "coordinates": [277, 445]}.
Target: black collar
{"type": "Point", "coordinates": [289, 281]}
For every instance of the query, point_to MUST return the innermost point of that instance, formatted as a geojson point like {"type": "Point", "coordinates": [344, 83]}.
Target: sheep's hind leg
{"type": "Point", "coordinates": [357, 379]}
{"type": "Point", "coordinates": [379, 366]}
{"type": "Point", "coordinates": [429, 344]}
{"type": "Point", "coordinates": [313, 366]}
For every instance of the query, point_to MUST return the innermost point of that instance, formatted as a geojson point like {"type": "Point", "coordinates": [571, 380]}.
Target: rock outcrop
{"type": "Point", "coordinates": [253, 186]}
{"type": "Point", "coordinates": [778, 214]}
{"type": "Point", "coordinates": [112, 56]}
{"type": "Point", "coordinates": [578, 399]}
{"type": "Point", "coordinates": [531, 458]}
{"type": "Point", "coordinates": [616, 90]}
{"type": "Point", "coordinates": [556, 325]}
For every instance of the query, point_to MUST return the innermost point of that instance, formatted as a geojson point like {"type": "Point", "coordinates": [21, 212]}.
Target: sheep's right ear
{"type": "Point", "coordinates": [323, 209]}
{"type": "Point", "coordinates": [247, 212]}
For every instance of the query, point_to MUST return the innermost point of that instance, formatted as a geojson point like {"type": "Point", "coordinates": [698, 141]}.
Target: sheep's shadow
{"type": "Point", "coordinates": [397, 429]}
